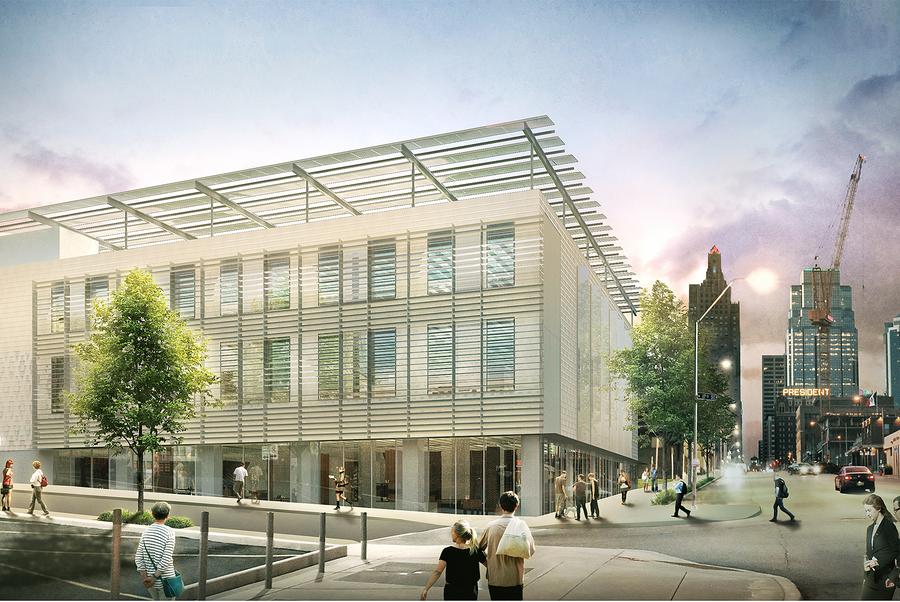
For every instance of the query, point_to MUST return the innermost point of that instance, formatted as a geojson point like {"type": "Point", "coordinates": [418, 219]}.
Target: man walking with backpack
{"type": "Point", "coordinates": [781, 492]}
{"type": "Point", "coordinates": [680, 490]}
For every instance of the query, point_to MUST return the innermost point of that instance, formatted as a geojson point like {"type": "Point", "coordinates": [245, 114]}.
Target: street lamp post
{"type": "Point", "coordinates": [695, 462]}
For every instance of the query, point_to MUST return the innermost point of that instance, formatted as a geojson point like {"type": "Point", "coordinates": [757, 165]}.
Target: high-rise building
{"type": "Point", "coordinates": [434, 315]}
{"type": "Point", "coordinates": [722, 326]}
{"type": "Point", "coordinates": [892, 357]}
{"type": "Point", "coordinates": [803, 341]}
{"type": "Point", "coordinates": [773, 381]}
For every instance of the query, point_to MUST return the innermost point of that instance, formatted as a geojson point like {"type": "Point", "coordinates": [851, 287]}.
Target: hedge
{"type": "Point", "coordinates": [145, 518]}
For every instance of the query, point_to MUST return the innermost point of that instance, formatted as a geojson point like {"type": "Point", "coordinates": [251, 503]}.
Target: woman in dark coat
{"type": "Point", "coordinates": [882, 550]}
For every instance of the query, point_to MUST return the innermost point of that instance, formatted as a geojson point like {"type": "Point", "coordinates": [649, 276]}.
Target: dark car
{"type": "Point", "coordinates": [829, 468]}
{"type": "Point", "coordinates": [854, 477]}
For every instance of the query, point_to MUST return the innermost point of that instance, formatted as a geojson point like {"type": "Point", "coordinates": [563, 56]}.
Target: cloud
{"type": "Point", "coordinates": [876, 88]}
{"type": "Point", "coordinates": [59, 167]}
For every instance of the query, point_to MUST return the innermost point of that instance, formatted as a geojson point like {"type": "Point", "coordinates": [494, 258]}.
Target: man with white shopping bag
{"type": "Point", "coordinates": [507, 542]}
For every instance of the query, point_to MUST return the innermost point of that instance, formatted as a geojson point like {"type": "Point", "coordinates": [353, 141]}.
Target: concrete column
{"type": "Point", "coordinates": [209, 470]}
{"type": "Point", "coordinates": [307, 473]}
{"type": "Point", "coordinates": [415, 475]}
{"type": "Point", "coordinates": [123, 469]}
{"type": "Point", "coordinates": [532, 475]}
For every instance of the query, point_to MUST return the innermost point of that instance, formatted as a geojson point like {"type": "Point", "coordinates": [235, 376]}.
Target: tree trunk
{"type": "Point", "coordinates": [140, 480]}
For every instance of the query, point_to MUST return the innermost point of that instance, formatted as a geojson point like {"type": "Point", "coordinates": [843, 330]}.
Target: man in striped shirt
{"type": "Point", "coordinates": [153, 557]}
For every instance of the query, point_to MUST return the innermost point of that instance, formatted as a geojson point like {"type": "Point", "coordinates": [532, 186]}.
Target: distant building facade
{"type": "Point", "coordinates": [773, 381]}
{"type": "Point", "coordinates": [722, 325]}
{"type": "Point", "coordinates": [803, 340]}
{"type": "Point", "coordinates": [892, 357]}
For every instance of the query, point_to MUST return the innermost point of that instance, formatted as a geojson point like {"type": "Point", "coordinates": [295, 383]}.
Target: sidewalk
{"type": "Point", "coordinates": [554, 573]}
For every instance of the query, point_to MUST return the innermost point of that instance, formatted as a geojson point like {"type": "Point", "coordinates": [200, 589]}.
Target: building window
{"type": "Point", "coordinates": [382, 271]}
{"type": "Point", "coordinates": [181, 286]}
{"type": "Point", "coordinates": [440, 263]}
{"type": "Point", "coordinates": [354, 368]}
{"type": "Point", "coordinates": [252, 368]}
{"type": "Point", "coordinates": [95, 288]}
{"type": "Point", "coordinates": [500, 265]}
{"type": "Point", "coordinates": [228, 371]}
{"type": "Point", "coordinates": [278, 283]}
{"type": "Point", "coordinates": [329, 366]}
{"type": "Point", "coordinates": [58, 307]}
{"type": "Point", "coordinates": [57, 383]}
{"type": "Point", "coordinates": [278, 369]}
{"type": "Point", "coordinates": [440, 358]}
{"type": "Point", "coordinates": [329, 277]}
{"type": "Point", "coordinates": [500, 355]}
{"type": "Point", "coordinates": [383, 362]}
{"type": "Point", "coordinates": [229, 288]}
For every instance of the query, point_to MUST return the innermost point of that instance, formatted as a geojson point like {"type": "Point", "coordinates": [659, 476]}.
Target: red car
{"type": "Point", "coordinates": [854, 477]}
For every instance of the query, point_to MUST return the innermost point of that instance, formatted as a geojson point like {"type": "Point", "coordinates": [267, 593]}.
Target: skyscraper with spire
{"type": "Point", "coordinates": [722, 326]}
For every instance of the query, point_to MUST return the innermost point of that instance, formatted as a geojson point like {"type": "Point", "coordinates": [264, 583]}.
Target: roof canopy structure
{"type": "Point", "coordinates": [506, 157]}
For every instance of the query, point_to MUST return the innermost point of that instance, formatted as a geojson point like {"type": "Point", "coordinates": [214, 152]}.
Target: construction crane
{"type": "Point", "coordinates": [823, 285]}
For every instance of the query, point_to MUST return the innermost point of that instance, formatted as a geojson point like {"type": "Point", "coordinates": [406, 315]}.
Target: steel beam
{"type": "Point", "coordinates": [49, 221]}
{"type": "Point", "coordinates": [324, 189]}
{"type": "Point", "coordinates": [427, 173]}
{"type": "Point", "coordinates": [221, 198]}
{"type": "Point", "coordinates": [548, 167]}
{"type": "Point", "coordinates": [149, 219]}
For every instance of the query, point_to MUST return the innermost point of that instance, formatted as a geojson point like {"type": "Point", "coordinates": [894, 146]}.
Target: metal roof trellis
{"type": "Point", "coordinates": [427, 173]}
{"type": "Point", "coordinates": [324, 189]}
{"type": "Point", "coordinates": [149, 219]}
{"type": "Point", "coordinates": [222, 199]}
{"type": "Point", "coordinates": [43, 219]}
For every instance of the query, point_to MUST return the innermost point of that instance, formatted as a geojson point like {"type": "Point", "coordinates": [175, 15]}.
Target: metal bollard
{"type": "Point", "coordinates": [204, 555]}
{"type": "Point", "coordinates": [270, 547]}
{"type": "Point", "coordinates": [115, 568]}
{"type": "Point", "coordinates": [365, 535]}
{"type": "Point", "coordinates": [322, 542]}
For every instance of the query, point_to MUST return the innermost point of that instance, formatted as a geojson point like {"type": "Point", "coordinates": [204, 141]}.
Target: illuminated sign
{"type": "Point", "coordinates": [823, 392]}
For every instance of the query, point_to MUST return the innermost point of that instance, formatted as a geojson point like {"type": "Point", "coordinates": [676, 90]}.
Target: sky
{"type": "Point", "coordinates": [734, 124]}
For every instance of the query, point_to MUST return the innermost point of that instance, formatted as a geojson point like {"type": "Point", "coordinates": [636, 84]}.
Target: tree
{"type": "Point", "coordinates": [658, 370]}
{"type": "Point", "coordinates": [141, 371]}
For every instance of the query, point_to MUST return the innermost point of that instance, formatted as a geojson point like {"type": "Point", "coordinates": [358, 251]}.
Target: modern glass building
{"type": "Point", "coordinates": [435, 315]}
{"type": "Point", "coordinates": [892, 357]}
{"type": "Point", "coordinates": [803, 340]}
{"type": "Point", "coordinates": [773, 381]}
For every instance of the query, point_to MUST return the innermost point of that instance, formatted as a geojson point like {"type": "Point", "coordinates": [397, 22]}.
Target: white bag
{"type": "Point", "coordinates": [516, 541]}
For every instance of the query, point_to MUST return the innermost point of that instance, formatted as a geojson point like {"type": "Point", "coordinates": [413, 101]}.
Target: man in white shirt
{"type": "Point", "coordinates": [36, 488]}
{"type": "Point", "coordinates": [240, 473]}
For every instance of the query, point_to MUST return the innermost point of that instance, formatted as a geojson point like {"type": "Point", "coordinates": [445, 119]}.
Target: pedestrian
{"type": "Point", "coordinates": [6, 490]}
{"type": "Point", "coordinates": [594, 490]}
{"type": "Point", "coordinates": [462, 561]}
{"type": "Point", "coordinates": [624, 485]}
{"type": "Point", "coordinates": [505, 574]}
{"type": "Point", "coordinates": [645, 480]}
{"type": "Point", "coordinates": [680, 490]}
{"type": "Point", "coordinates": [38, 481]}
{"type": "Point", "coordinates": [654, 486]}
{"type": "Point", "coordinates": [559, 487]}
{"type": "Point", "coordinates": [254, 476]}
{"type": "Point", "coordinates": [781, 492]}
{"type": "Point", "coordinates": [153, 557]}
{"type": "Point", "coordinates": [341, 487]}
{"type": "Point", "coordinates": [580, 489]}
{"type": "Point", "coordinates": [240, 474]}
{"type": "Point", "coordinates": [882, 550]}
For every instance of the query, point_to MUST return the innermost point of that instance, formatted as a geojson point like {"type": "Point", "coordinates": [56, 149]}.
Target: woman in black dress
{"type": "Point", "coordinates": [879, 566]}
{"type": "Point", "coordinates": [461, 560]}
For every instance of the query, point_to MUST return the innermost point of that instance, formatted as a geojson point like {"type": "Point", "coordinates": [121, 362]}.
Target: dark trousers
{"type": "Point", "coordinates": [513, 592]}
{"type": "Point", "coordinates": [453, 594]}
{"type": "Point", "coordinates": [653, 485]}
{"type": "Point", "coordinates": [580, 504]}
{"type": "Point", "coordinates": [870, 593]}
{"type": "Point", "coordinates": [678, 505]}
{"type": "Point", "coordinates": [779, 503]}
{"type": "Point", "coordinates": [595, 507]}
{"type": "Point", "coordinates": [624, 495]}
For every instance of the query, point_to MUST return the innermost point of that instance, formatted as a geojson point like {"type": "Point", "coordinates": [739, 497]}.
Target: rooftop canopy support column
{"type": "Point", "coordinates": [324, 189]}
{"type": "Point", "coordinates": [427, 173]}
{"type": "Point", "coordinates": [49, 221]}
{"type": "Point", "coordinates": [149, 219]}
{"type": "Point", "coordinates": [548, 167]}
{"type": "Point", "coordinates": [221, 198]}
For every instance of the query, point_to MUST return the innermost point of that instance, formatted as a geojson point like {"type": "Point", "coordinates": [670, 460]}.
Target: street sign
{"type": "Point", "coordinates": [695, 462]}
{"type": "Point", "coordinates": [706, 396]}
{"type": "Point", "coordinates": [270, 452]}
{"type": "Point", "coordinates": [656, 443]}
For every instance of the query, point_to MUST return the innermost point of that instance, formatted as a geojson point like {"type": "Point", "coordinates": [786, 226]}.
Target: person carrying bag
{"type": "Point", "coordinates": [155, 551]}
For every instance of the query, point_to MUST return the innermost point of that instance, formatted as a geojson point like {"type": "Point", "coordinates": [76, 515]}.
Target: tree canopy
{"type": "Point", "coordinates": [659, 373]}
{"type": "Point", "coordinates": [142, 370]}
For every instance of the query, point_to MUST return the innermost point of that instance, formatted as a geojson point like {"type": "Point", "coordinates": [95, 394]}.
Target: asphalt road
{"type": "Point", "coordinates": [40, 560]}
{"type": "Point", "coordinates": [821, 553]}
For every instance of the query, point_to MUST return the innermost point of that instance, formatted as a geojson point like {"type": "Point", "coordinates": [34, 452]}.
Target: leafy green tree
{"type": "Point", "coordinates": [658, 370]}
{"type": "Point", "coordinates": [142, 370]}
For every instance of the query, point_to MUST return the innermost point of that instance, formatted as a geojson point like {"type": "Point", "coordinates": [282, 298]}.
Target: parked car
{"type": "Point", "coordinates": [854, 477]}
{"type": "Point", "coordinates": [807, 468]}
{"type": "Point", "coordinates": [793, 468]}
